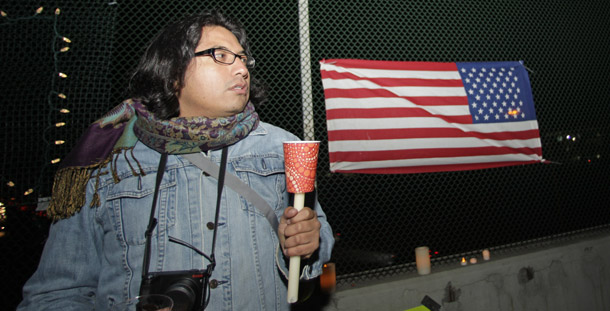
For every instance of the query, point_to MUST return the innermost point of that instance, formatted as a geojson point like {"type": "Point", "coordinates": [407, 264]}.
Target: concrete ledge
{"type": "Point", "coordinates": [571, 276]}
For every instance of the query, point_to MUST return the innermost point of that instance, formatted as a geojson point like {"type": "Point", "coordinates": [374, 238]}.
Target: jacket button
{"type": "Point", "coordinates": [213, 283]}
{"type": "Point", "coordinates": [210, 225]}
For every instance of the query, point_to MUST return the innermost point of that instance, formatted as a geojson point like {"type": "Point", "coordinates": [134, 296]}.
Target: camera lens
{"type": "Point", "coordinates": [184, 294]}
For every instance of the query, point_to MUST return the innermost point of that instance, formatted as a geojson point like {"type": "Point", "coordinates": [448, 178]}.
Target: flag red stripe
{"type": "Point", "coordinates": [418, 100]}
{"type": "Point", "coordinates": [393, 113]}
{"type": "Point", "coordinates": [375, 134]}
{"type": "Point", "coordinates": [391, 65]}
{"type": "Point", "coordinates": [384, 155]}
{"type": "Point", "coordinates": [394, 81]}
{"type": "Point", "coordinates": [435, 168]}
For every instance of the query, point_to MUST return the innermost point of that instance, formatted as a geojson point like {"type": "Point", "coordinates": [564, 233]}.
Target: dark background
{"type": "Point", "coordinates": [378, 219]}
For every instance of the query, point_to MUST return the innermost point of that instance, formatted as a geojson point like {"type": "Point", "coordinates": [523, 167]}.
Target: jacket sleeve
{"type": "Point", "coordinates": [67, 275]}
{"type": "Point", "coordinates": [327, 240]}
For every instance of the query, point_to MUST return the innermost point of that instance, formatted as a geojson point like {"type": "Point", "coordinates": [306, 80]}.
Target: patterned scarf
{"type": "Point", "coordinates": [120, 129]}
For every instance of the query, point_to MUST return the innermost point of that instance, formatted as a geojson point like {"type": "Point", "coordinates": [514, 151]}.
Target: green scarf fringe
{"type": "Point", "coordinates": [70, 184]}
{"type": "Point", "coordinates": [69, 188]}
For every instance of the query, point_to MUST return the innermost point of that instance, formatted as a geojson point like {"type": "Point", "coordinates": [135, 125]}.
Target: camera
{"type": "Point", "coordinates": [188, 289]}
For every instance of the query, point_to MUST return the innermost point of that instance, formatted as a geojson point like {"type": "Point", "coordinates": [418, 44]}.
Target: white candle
{"type": "Point", "coordinates": [422, 260]}
{"type": "Point", "coordinates": [486, 254]}
{"type": "Point", "coordinates": [463, 262]}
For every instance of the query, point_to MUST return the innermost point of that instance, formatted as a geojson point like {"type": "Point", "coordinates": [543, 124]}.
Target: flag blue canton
{"type": "Point", "coordinates": [497, 91]}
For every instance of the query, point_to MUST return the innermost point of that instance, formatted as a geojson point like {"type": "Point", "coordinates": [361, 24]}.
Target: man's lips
{"type": "Point", "coordinates": [240, 88]}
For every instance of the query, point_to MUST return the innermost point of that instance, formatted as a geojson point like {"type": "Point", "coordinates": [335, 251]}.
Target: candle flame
{"type": "Point", "coordinates": [464, 259]}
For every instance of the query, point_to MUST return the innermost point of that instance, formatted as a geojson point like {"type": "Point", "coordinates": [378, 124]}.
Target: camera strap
{"type": "Point", "coordinates": [153, 221]}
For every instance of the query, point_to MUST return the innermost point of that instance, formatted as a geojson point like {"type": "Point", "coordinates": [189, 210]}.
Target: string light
{"type": "Point", "coordinates": [60, 46]}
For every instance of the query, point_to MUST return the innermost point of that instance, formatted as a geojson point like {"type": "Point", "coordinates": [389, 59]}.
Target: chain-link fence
{"type": "Point", "coordinates": [378, 219]}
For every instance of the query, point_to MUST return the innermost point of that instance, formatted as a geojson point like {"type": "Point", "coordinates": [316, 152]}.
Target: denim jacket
{"type": "Point", "coordinates": [93, 259]}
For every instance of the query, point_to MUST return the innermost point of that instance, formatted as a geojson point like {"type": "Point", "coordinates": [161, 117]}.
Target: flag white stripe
{"type": "Point", "coordinates": [413, 91]}
{"type": "Point", "coordinates": [393, 102]}
{"type": "Point", "coordinates": [433, 161]}
{"type": "Point", "coordinates": [431, 122]}
{"type": "Point", "coordinates": [388, 73]}
{"type": "Point", "coordinates": [428, 143]}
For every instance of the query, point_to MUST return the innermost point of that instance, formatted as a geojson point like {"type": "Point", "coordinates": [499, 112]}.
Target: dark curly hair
{"type": "Point", "coordinates": [159, 76]}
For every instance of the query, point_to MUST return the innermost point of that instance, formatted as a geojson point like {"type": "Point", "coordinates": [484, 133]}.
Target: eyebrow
{"type": "Point", "coordinates": [226, 48]}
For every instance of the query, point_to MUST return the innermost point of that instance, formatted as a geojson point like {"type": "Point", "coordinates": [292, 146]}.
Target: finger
{"type": "Point", "coordinates": [301, 248]}
{"type": "Point", "coordinates": [304, 226]}
{"type": "Point", "coordinates": [304, 215]}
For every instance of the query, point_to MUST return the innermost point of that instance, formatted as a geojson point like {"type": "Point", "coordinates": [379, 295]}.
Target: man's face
{"type": "Point", "coordinates": [211, 89]}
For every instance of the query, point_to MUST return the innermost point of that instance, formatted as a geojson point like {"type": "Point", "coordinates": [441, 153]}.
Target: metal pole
{"type": "Point", "coordinates": [306, 87]}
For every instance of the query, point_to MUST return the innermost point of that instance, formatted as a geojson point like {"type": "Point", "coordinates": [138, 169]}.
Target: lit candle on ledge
{"type": "Point", "coordinates": [463, 262]}
{"type": "Point", "coordinates": [422, 260]}
{"type": "Point", "coordinates": [328, 279]}
{"type": "Point", "coordinates": [486, 255]}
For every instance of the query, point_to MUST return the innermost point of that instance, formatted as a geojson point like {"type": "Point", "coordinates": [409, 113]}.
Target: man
{"type": "Point", "coordinates": [192, 94]}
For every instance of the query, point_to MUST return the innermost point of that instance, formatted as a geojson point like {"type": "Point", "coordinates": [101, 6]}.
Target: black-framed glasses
{"type": "Point", "coordinates": [224, 56]}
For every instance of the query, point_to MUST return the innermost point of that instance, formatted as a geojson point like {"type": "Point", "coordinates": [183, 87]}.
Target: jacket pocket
{"type": "Point", "coordinates": [265, 175]}
{"type": "Point", "coordinates": [131, 202]}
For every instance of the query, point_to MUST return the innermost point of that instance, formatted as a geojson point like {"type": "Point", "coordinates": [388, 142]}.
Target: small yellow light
{"type": "Point", "coordinates": [63, 75]}
{"type": "Point", "coordinates": [28, 192]}
{"type": "Point", "coordinates": [61, 95]}
{"type": "Point", "coordinates": [55, 161]}
{"type": "Point", "coordinates": [65, 49]}
{"type": "Point", "coordinates": [60, 142]}
{"type": "Point", "coordinates": [66, 40]}
{"type": "Point", "coordinates": [60, 124]}
{"type": "Point", "coordinates": [10, 184]}
{"type": "Point", "coordinates": [57, 11]}
{"type": "Point", "coordinates": [64, 110]}
{"type": "Point", "coordinates": [39, 10]}
{"type": "Point", "coordinates": [3, 13]}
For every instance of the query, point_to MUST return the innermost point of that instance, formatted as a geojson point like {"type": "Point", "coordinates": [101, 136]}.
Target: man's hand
{"type": "Point", "coordinates": [299, 232]}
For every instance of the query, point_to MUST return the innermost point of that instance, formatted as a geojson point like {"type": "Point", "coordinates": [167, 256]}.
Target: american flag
{"type": "Point", "coordinates": [388, 117]}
